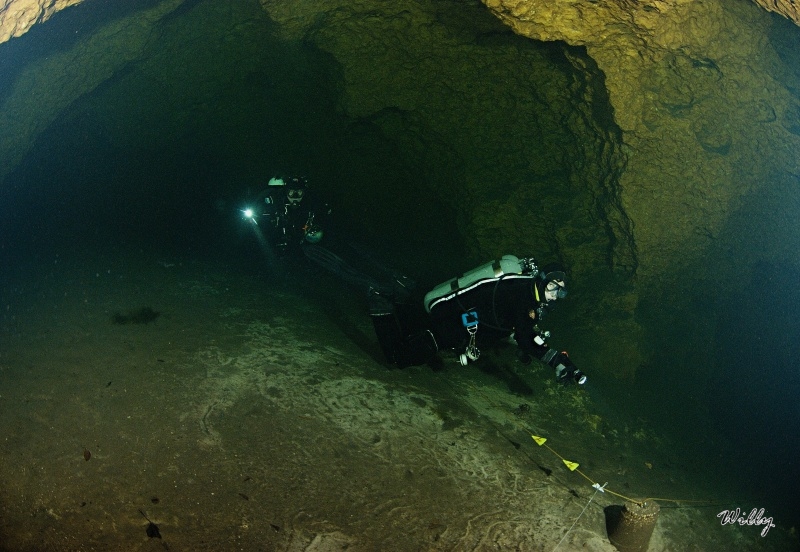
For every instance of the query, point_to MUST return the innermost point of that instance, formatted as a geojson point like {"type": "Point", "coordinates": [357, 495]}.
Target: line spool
{"type": "Point", "coordinates": [630, 526]}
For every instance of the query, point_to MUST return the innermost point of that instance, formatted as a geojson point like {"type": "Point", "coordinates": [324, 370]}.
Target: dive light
{"type": "Point", "coordinates": [248, 214]}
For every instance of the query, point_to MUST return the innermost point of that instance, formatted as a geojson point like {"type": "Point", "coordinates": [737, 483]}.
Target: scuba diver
{"type": "Point", "coordinates": [288, 214]}
{"type": "Point", "coordinates": [487, 305]}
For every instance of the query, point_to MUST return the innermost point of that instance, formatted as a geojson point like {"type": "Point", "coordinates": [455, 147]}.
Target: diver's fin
{"type": "Point", "coordinates": [335, 264]}
{"type": "Point", "coordinates": [400, 284]}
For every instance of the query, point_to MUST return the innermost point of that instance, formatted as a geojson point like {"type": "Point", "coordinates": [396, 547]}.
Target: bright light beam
{"type": "Point", "coordinates": [248, 215]}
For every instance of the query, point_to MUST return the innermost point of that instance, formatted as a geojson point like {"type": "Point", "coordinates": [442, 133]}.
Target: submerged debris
{"type": "Point", "coordinates": [522, 410]}
{"type": "Point", "coordinates": [144, 315]}
{"type": "Point", "coordinates": [152, 528]}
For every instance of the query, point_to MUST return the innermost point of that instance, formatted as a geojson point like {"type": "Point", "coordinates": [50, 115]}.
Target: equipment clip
{"type": "Point", "coordinates": [601, 488]}
{"type": "Point", "coordinates": [470, 322]}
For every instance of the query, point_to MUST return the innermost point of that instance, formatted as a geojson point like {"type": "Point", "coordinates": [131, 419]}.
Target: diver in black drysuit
{"type": "Point", "coordinates": [289, 214]}
{"type": "Point", "coordinates": [509, 305]}
{"type": "Point", "coordinates": [506, 306]}
{"type": "Point", "coordinates": [494, 307]}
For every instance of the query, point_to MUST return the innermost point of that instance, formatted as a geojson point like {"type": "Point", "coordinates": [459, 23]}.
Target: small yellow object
{"type": "Point", "coordinates": [539, 440]}
{"type": "Point", "coordinates": [649, 465]}
{"type": "Point", "coordinates": [571, 465]}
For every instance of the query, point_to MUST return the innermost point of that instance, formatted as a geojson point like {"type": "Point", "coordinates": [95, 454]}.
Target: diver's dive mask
{"type": "Point", "coordinates": [555, 287]}
{"type": "Point", "coordinates": [295, 195]}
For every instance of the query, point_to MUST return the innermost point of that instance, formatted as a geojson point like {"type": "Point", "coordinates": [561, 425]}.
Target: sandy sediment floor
{"type": "Point", "coordinates": [251, 415]}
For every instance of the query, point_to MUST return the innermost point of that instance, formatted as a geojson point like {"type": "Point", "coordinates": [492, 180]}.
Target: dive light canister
{"type": "Point", "coordinates": [508, 264]}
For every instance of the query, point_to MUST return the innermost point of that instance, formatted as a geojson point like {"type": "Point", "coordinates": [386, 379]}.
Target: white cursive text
{"type": "Point", "coordinates": [756, 517]}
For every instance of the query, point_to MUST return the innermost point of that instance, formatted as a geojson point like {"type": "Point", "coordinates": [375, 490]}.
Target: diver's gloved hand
{"type": "Point", "coordinates": [523, 357]}
{"type": "Point", "coordinates": [566, 371]}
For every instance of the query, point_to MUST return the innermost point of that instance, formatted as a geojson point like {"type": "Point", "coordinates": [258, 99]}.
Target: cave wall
{"type": "Point", "coordinates": [707, 111]}
{"type": "Point", "coordinates": [17, 16]}
{"type": "Point", "coordinates": [37, 92]}
{"type": "Point", "coordinates": [786, 8]}
{"type": "Point", "coordinates": [695, 90]}
{"type": "Point", "coordinates": [491, 140]}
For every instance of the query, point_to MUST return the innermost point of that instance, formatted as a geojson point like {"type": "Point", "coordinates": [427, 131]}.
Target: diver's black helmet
{"type": "Point", "coordinates": [553, 273]}
{"type": "Point", "coordinates": [296, 182]}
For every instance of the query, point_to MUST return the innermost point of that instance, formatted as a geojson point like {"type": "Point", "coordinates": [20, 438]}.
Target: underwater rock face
{"type": "Point", "coordinates": [17, 16]}
{"type": "Point", "coordinates": [694, 90]}
{"type": "Point", "coordinates": [707, 113]}
{"type": "Point", "coordinates": [44, 88]}
{"type": "Point", "coordinates": [787, 8]}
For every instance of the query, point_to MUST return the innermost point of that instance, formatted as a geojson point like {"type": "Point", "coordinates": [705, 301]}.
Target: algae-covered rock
{"type": "Point", "coordinates": [17, 16]}
{"type": "Point", "coordinates": [42, 90]}
{"type": "Point", "coordinates": [707, 115]}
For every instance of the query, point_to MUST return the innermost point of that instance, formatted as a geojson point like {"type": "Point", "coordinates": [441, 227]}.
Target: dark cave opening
{"type": "Point", "coordinates": [167, 150]}
{"type": "Point", "coordinates": [168, 147]}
